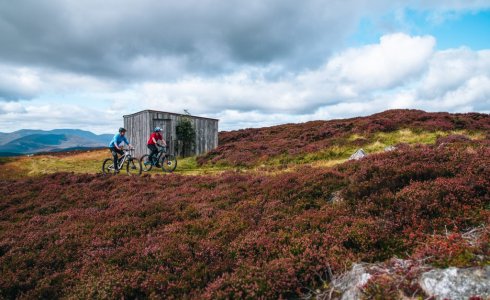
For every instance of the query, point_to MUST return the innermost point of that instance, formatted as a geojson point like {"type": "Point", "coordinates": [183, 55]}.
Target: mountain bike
{"type": "Point", "coordinates": [167, 162]}
{"type": "Point", "coordinates": [133, 165]}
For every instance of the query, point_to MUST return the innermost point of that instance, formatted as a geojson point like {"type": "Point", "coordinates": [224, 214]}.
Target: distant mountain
{"type": "Point", "coordinates": [32, 141]}
{"type": "Point", "coordinates": [7, 137]}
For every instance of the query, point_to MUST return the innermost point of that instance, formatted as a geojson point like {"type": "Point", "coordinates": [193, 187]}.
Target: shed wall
{"type": "Point", "coordinates": [137, 127]}
{"type": "Point", "coordinates": [140, 125]}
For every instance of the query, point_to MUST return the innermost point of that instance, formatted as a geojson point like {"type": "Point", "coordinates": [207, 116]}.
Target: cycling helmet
{"type": "Point", "coordinates": [122, 129]}
{"type": "Point", "coordinates": [157, 129]}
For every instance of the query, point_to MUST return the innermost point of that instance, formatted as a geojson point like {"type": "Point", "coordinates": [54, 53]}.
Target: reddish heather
{"type": "Point", "coordinates": [240, 235]}
{"type": "Point", "coordinates": [248, 146]}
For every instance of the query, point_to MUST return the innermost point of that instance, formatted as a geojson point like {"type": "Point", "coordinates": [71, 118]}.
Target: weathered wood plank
{"type": "Point", "coordinates": [140, 125]}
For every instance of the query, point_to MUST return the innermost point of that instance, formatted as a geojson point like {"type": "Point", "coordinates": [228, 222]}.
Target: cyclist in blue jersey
{"type": "Point", "coordinates": [116, 146]}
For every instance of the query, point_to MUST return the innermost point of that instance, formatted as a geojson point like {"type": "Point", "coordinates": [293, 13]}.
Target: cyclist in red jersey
{"type": "Point", "coordinates": [155, 139]}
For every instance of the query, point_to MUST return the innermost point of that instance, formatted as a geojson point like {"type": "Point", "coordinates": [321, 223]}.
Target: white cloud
{"type": "Point", "coordinates": [18, 83]}
{"type": "Point", "coordinates": [348, 76]}
{"type": "Point", "coordinates": [400, 71]}
{"type": "Point", "coordinates": [162, 39]}
{"type": "Point", "coordinates": [18, 115]}
{"type": "Point", "coordinates": [451, 68]}
{"type": "Point", "coordinates": [22, 83]}
{"type": "Point", "coordinates": [396, 58]}
{"type": "Point", "coordinates": [11, 108]}
{"type": "Point", "coordinates": [447, 5]}
{"type": "Point", "coordinates": [474, 91]}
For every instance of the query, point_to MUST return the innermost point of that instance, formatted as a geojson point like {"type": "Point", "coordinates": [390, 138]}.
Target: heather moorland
{"type": "Point", "coordinates": [271, 213]}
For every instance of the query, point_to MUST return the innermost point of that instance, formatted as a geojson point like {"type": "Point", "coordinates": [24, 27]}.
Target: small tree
{"type": "Point", "coordinates": [186, 135]}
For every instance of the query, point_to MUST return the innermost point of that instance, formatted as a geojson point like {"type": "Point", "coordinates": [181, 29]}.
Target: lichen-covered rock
{"type": "Point", "coordinates": [336, 197]}
{"type": "Point", "coordinates": [349, 284]}
{"type": "Point", "coordinates": [407, 279]}
{"type": "Point", "coordinates": [454, 283]}
{"type": "Point", "coordinates": [358, 155]}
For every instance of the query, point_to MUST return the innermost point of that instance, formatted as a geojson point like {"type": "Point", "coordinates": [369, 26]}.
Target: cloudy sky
{"type": "Point", "coordinates": [84, 64]}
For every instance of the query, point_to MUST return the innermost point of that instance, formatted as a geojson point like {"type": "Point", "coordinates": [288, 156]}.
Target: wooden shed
{"type": "Point", "coordinates": [140, 125]}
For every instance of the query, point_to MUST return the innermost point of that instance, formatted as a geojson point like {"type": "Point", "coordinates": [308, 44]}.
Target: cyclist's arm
{"type": "Point", "coordinates": [126, 141]}
{"type": "Point", "coordinates": [114, 142]}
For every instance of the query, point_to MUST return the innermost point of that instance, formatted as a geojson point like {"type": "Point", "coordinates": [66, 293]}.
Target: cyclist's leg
{"type": "Point", "coordinates": [153, 153]}
{"type": "Point", "coordinates": [150, 157]}
{"type": "Point", "coordinates": [115, 152]}
{"type": "Point", "coordinates": [121, 153]}
{"type": "Point", "coordinates": [157, 158]}
{"type": "Point", "coordinates": [114, 155]}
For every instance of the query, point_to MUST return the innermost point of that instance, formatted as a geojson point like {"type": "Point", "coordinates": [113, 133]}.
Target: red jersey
{"type": "Point", "coordinates": [157, 136]}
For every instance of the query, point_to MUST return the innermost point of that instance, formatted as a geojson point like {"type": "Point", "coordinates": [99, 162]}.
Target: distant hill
{"type": "Point", "coordinates": [27, 141]}
{"type": "Point", "coordinates": [247, 147]}
{"type": "Point", "coordinates": [7, 137]}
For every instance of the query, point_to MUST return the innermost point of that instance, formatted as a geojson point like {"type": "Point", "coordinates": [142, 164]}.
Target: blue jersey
{"type": "Point", "coordinates": [118, 139]}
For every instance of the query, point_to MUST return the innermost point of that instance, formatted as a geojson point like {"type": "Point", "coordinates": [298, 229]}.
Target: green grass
{"type": "Point", "coordinates": [4, 160]}
{"type": "Point", "coordinates": [87, 162]}
{"type": "Point", "coordinates": [371, 144]}
{"type": "Point", "coordinates": [189, 166]}
{"type": "Point", "coordinates": [91, 162]}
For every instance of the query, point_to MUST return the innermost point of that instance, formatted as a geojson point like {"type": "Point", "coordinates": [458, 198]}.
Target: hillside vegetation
{"type": "Point", "coordinates": [285, 147]}
{"type": "Point", "coordinates": [337, 138]}
{"type": "Point", "coordinates": [83, 162]}
{"type": "Point", "coordinates": [254, 230]}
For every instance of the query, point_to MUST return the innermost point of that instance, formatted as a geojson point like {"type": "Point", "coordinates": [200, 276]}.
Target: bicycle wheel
{"type": "Point", "coordinates": [169, 163]}
{"type": "Point", "coordinates": [108, 166]}
{"type": "Point", "coordinates": [133, 167]}
{"type": "Point", "coordinates": [145, 162]}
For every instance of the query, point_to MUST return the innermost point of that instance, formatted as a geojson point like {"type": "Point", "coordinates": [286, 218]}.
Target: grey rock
{"type": "Point", "coordinates": [352, 283]}
{"type": "Point", "coordinates": [358, 155]}
{"type": "Point", "coordinates": [454, 283]}
{"type": "Point", "coordinates": [336, 197]}
{"type": "Point", "coordinates": [451, 283]}
{"type": "Point", "coordinates": [389, 148]}
{"type": "Point", "coordinates": [348, 285]}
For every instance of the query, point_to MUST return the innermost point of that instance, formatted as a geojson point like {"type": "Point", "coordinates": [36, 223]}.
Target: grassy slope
{"type": "Point", "coordinates": [375, 143]}
{"type": "Point", "coordinates": [83, 162]}
{"type": "Point", "coordinates": [90, 162]}
{"type": "Point", "coordinates": [249, 147]}
{"type": "Point", "coordinates": [241, 235]}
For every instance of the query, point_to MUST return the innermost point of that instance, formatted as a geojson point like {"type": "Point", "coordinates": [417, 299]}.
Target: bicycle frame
{"type": "Point", "coordinates": [161, 151]}
{"type": "Point", "coordinates": [167, 160]}
{"type": "Point", "coordinates": [133, 165]}
{"type": "Point", "coordinates": [126, 156]}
